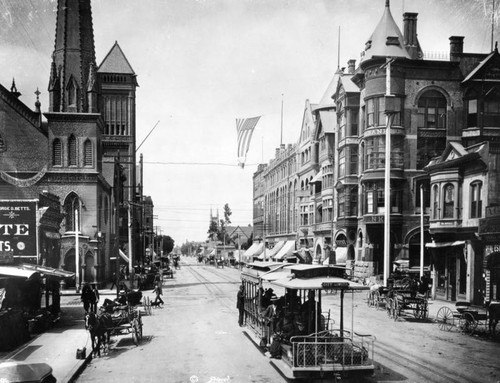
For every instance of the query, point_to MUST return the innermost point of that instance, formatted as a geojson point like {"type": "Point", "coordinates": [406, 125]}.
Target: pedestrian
{"type": "Point", "coordinates": [159, 292]}
{"type": "Point", "coordinates": [94, 298]}
{"type": "Point", "coordinates": [86, 297]}
{"type": "Point", "coordinates": [240, 304]}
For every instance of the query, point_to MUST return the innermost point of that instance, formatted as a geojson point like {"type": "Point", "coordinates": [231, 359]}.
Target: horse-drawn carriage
{"type": "Point", "coordinates": [469, 318]}
{"type": "Point", "coordinates": [118, 317]}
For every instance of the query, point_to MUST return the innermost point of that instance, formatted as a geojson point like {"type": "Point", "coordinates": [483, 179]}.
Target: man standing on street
{"type": "Point", "coordinates": [240, 304]}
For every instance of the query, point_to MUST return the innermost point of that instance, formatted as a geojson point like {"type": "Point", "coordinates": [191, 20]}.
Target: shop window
{"type": "Point", "coordinates": [476, 202]}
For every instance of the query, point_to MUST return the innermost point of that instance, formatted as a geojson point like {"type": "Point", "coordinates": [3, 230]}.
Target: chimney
{"type": "Point", "coordinates": [456, 47]}
{"type": "Point", "coordinates": [410, 35]}
{"type": "Point", "coordinates": [351, 66]}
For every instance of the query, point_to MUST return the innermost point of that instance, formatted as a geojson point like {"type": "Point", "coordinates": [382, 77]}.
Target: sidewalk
{"type": "Point", "coordinates": [58, 346]}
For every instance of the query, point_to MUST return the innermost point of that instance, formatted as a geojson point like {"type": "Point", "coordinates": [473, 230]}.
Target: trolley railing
{"type": "Point", "coordinates": [330, 349]}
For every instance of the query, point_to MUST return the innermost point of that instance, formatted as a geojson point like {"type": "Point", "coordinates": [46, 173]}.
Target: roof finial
{"type": "Point", "coordinates": [387, 3]}
{"type": "Point", "coordinates": [13, 89]}
{"type": "Point", "coordinates": [37, 102]}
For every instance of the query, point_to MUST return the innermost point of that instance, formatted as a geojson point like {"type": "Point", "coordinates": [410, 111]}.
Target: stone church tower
{"type": "Point", "coordinates": [91, 119]}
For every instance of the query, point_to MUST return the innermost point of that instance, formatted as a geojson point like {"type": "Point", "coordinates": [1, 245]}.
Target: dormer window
{"type": "Point", "coordinates": [392, 40]}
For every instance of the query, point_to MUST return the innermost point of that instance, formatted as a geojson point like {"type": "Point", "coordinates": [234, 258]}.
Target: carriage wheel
{"type": "Point", "coordinates": [396, 313]}
{"type": "Point", "coordinates": [369, 300]}
{"type": "Point", "coordinates": [376, 299]}
{"type": "Point", "coordinates": [467, 323]}
{"type": "Point", "coordinates": [425, 310]}
{"type": "Point", "coordinates": [135, 336]}
{"type": "Point", "coordinates": [444, 318]}
{"type": "Point", "coordinates": [388, 306]}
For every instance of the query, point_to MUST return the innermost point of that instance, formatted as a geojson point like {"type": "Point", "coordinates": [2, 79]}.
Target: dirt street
{"type": "Point", "coordinates": [195, 337]}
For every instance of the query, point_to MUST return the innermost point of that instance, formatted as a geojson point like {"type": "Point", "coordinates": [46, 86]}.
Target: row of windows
{"type": "Point", "coordinates": [72, 152]}
{"type": "Point", "coordinates": [116, 119]}
{"type": "Point", "coordinates": [445, 203]}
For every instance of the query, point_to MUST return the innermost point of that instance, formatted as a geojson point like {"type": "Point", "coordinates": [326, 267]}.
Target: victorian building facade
{"type": "Point", "coordinates": [443, 118]}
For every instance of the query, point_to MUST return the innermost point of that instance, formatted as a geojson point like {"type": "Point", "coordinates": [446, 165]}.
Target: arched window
{"type": "Point", "coordinates": [71, 205]}
{"type": "Point", "coordinates": [57, 152]}
{"type": "Point", "coordinates": [476, 204]}
{"type": "Point", "coordinates": [448, 201]}
{"type": "Point", "coordinates": [72, 151]}
{"type": "Point", "coordinates": [432, 110]}
{"type": "Point", "coordinates": [87, 153]}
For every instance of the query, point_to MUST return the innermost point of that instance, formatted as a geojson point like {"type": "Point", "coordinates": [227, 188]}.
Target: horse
{"type": "Point", "coordinates": [99, 329]}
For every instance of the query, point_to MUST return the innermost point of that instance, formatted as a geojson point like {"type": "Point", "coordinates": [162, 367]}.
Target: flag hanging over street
{"type": "Point", "coordinates": [245, 127]}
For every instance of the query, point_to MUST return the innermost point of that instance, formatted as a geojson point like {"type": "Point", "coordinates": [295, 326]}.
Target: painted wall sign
{"type": "Point", "coordinates": [18, 231]}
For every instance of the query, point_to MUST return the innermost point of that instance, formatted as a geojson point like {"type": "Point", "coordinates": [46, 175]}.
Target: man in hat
{"type": "Point", "coordinates": [270, 317]}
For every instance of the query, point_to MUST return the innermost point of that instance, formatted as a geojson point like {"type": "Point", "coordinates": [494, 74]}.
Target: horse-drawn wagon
{"type": "Point", "coordinates": [468, 318]}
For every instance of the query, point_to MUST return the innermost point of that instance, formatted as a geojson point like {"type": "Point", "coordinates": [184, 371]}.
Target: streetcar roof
{"type": "Point", "coordinates": [319, 283]}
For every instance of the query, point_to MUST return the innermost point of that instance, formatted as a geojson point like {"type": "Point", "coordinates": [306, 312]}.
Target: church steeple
{"type": "Point", "coordinates": [73, 58]}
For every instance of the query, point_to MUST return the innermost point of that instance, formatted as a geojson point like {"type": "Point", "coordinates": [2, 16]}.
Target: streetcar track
{"type": "Point", "coordinates": [420, 366]}
{"type": "Point", "coordinates": [212, 288]}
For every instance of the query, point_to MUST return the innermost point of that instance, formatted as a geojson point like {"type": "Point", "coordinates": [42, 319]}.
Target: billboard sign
{"type": "Point", "coordinates": [18, 229]}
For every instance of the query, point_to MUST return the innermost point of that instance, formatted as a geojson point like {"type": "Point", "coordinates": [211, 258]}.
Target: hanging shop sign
{"type": "Point", "coordinates": [18, 229]}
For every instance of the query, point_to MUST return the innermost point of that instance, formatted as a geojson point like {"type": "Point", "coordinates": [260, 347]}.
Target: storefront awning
{"type": "Point", "coordinates": [277, 247]}
{"type": "Point", "coordinates": [287, 249]}
{"type": "Point", "coordinates": [15, 271]}
{"type": "Point", "coordinates": [435, 245]}
{"type": "Point", "coordinates": [49, 271]}
{"type": "Point", "coordinates": [318, 177]}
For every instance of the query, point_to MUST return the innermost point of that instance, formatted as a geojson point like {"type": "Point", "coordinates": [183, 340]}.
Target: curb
{"type": "Point", "coordinates": [77, 370]}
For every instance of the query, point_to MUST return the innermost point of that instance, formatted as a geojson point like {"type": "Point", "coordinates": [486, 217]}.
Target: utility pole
{"type": "Point", "coordinates": [117, 190]}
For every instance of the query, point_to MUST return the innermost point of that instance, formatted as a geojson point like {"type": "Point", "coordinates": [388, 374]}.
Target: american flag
{"type": "Point", "coordinates": [245, 127]}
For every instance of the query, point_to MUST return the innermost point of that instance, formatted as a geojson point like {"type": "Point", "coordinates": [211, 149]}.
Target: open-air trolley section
{"type": "Point", "coordinates": [322, 352]}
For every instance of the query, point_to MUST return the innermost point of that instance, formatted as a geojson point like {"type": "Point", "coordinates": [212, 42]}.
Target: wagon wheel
{"type": "Point", "coordinates": [444, 318]}
{"type": "Point", "coordinates": [396, 309]}
{"type": "Point", "coordinates": [149, 306]}
{"type": "Point", "coordinates": [376, 299]}
{"type": "Point", "coordinates": [425, 310]}
{"type": "Point", "coordinates": [388, 306]}
{"type": "Point", "coordinates": [467, 323]}
{"type": "Point", "coordinates": [369, 299]}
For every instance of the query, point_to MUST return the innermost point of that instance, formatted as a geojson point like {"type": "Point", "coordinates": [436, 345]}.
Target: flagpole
{"type": "Point", "coordinates": [281, 136]}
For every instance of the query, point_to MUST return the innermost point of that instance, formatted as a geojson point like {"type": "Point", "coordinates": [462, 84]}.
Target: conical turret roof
{"type": "Point", "coordinates": [386, 40]}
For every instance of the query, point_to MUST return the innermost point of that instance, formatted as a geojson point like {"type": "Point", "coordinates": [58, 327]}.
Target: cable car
{"type": "Point", "coordinates": [320, 350]}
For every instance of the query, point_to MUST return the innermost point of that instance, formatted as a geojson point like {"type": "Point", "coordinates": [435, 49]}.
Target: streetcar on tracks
{"type": "Point", "coordinates": [315, 349]}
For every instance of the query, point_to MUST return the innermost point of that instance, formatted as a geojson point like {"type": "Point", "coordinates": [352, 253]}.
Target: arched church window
{"type": "Point", "coordinates": [57, 152]}
{"type": "Point", "coordinates": [72, 151]}
{"type": "Point", "coordinates": [72, 204]}
{"type": "Point", "coordinates": [87, 153]}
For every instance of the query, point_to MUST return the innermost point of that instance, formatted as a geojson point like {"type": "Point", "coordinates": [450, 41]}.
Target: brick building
{"type": "Point", "coordinates": [71, 153]}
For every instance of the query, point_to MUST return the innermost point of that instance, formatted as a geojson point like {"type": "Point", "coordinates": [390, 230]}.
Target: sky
{"type": "Point", "coordinates": [201, 64]}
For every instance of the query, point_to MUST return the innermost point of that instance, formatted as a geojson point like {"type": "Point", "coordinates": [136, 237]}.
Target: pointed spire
{"type": "Point", "coordinates": [73, 53]}
{"type": "Point", "coordinates": [37, 102]}
{"type": "Point", "coordinates": [13, 89]}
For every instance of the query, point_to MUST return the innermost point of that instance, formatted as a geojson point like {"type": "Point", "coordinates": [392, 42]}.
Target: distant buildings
{"type": "Point", "coordinates": [327, 192]}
